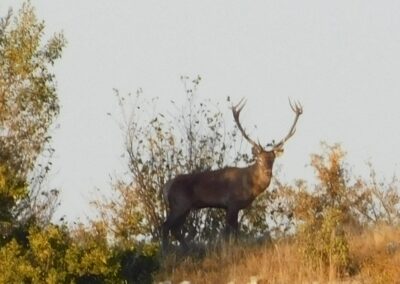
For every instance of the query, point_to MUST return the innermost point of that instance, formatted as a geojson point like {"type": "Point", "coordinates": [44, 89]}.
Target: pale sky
{"type": "Point", "coordinates": [340, 59]}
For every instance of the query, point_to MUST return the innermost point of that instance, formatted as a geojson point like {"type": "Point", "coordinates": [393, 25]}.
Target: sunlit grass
{"type": "Point", "coordinates": [375, 258]}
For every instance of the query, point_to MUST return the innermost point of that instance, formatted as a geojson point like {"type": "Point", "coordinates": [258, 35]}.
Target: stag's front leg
{"type": "Point", "coordinates": [174, 223]}
{"type": "Point", "coordinates": [232, 225]}
{"type": "Point", "coordinates": [176, 230]}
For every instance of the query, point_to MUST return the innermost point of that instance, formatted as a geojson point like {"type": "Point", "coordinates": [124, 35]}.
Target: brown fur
{"type": "Point", "coordinates": [230, 188]}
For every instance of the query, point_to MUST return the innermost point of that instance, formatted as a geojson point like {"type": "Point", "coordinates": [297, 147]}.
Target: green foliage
{"type": "Point", "coordinates": [14, 266]}
{"type": "Point", "coordinates": [121, 216]}
{"type": "Point", "coordinates": [139, 263]}
{"type": "Point", "coordinates": [28, 106]}
{"type": "Point", "coordinates": [32, 250]}
{"type": "Point", "coordinates": [323, 242]}
{"type": "Point", "coordinates": [12, 189]}
{"type": "Point", "coordinates": [38, 261]}
{"type": "Point", "coordinates": [122, 245]}
{"type": "Point", "coordinates": [57, 255]}
{"type": "Point", "coordinates": [89, 254]}
{"type": "Point", "coordinates": [28, 100]}
{"type": "Point", "coordinates": [47, 247]}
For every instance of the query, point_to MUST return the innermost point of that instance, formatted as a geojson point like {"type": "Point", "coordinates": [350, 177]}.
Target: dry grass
{"type": "Point", "coordinates": [377, 254]}
{"type": "Point", "coordinates": [375, 258]}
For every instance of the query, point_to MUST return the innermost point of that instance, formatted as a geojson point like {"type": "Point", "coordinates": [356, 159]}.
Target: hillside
{"type": "Point", "coordinates": [374, 257]}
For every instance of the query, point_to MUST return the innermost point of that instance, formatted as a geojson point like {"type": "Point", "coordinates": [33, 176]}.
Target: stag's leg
{"type": "Point", "coordinates": [176, 230]}
{"type": "Point", "coordinates": [165, 232]}
{"type": "Point", "coordinates": [174, 223]}
{"type": "Point", "coordinates": [232, 221]}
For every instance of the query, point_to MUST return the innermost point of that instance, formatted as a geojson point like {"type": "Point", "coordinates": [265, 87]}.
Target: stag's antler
{"type": "Point", "coordinates": [236, 112]}
{"type": "Point", "coordinates": [298, 110]}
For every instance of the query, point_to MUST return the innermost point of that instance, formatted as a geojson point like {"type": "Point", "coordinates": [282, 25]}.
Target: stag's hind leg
{"type": "Point", "coordinates": [232, 225]}
{"type": "Point", "coordinates": [164, 238]}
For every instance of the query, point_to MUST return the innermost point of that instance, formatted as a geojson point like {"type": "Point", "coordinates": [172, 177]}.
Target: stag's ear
{"type": "Point", "coordinates": [278, 152]}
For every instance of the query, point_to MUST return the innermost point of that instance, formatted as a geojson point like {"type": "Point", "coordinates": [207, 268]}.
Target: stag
{"type": "Point", "coordinates": [230, 188]}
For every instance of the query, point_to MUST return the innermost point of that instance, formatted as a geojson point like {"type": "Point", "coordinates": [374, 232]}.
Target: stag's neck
{"type": "Point", "coordinates": [261, 176]}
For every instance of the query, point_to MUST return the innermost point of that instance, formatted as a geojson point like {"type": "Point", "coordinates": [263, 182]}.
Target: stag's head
{"type": "Point", "coordinates": [266, 156]}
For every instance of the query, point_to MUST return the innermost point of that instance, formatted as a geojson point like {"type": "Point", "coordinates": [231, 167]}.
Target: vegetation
{"type": "Point", "coordinates": [338, 229]}
{"type": "Point", "coordinates": [341, 227]}
{"type": "Point", "coordinates": [375, 260]}
{"type": "Point", "coordinates": [28, 106]}
{"type": "Point", "coordinates": [159, 147]}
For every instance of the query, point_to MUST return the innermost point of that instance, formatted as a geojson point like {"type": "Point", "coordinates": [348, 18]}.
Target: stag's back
{"type": "Point", "coordinates": [208, 189]}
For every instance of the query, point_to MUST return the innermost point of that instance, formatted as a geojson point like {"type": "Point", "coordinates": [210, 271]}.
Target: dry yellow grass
{"type": "Point", "coordinates": [375, 258]}
{"type": "Point", "coordinates": [377, 253]}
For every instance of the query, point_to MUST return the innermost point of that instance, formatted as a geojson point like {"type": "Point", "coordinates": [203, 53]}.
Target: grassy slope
{"type": "Point", "coordinates": [375, 256]}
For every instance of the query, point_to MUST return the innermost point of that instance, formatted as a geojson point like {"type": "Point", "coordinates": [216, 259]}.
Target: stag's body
{"type": "Point", "coordinates": [230, 188]}
{"type": "Point", "coordinates": [226, 188]}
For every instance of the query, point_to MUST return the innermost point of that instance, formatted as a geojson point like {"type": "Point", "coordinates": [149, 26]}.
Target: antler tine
{"type": "Point", "coordinates": [240, 105]}
{"type": "Point", "coordinates": [236, 109]}
{"type": "Point", "coordinates": [291, 105]}
{"type": "Point", "coordinates": [298, 110]}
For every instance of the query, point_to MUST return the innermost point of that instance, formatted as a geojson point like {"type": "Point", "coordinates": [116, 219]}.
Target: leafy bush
{"type": "Point", "coordinates": [323, 242]}
{"type": "Point", "coordinates": [28, 106]}
{"type": "Point", "coordinates": [139, 264]}
{"type": "Point", "coordinates": [159, 147]}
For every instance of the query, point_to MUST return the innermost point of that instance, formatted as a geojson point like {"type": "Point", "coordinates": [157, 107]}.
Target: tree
{"type": "Point", "coordinates": [191, 137]}
{"type": "Point", "coordinates": [28, 106]}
